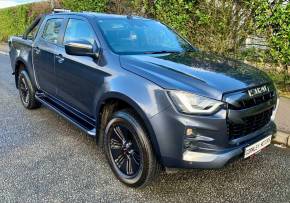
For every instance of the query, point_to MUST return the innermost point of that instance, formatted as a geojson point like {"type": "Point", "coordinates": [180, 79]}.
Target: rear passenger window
{"type": "Point", "coordinates": [52, 30]}
{"type": "Point", "coordinates": [78, 30]}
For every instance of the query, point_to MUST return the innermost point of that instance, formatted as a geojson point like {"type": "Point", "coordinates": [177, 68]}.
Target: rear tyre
{"type": "Point", "coordinates": [27, 91]}
{"type": "Point", "coordinates": [129, 151]}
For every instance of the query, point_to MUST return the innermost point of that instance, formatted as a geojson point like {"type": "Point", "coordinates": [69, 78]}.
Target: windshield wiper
{"type": "Point", "coordinates": [160, 52]}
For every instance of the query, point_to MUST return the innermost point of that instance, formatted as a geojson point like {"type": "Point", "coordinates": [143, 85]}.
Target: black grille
{"type": "Point", "coordinates": [251, 124]}
{"type": "Point", "coordinates": [250, 102]}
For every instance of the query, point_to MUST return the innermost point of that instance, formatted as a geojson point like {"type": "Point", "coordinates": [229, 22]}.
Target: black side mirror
{"type": "Point", "coordinates": [81, 48]}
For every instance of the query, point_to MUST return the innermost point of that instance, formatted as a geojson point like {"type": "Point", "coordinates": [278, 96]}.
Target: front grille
{"type": "Point", "coordinates": [250, 102]}
{"type": "Point", "coordinates": [256, 100]}
{"type": "Point", "coordinates": [251, 124]}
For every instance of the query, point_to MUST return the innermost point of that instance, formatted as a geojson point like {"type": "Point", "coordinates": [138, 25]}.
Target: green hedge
{"type": "Point", "coordinates": [207, 25]}
{"type": "Point", "coordinates": [217, 26]}
{"type": "Point", "coordinates": [85, 5]}
{"type": "Point", "coordinates": [14, 21]}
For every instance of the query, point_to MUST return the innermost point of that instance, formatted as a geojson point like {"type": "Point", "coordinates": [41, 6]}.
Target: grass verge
{"type": "Point", "coordinates": [282, 82]}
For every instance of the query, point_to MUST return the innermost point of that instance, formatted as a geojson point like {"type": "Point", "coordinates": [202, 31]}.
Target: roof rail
{"type": "Point", "coordinates": [60, 10]}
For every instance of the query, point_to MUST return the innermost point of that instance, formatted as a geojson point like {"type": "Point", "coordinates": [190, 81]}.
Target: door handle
{"type": "Point", "coordinates": [59, 58]}
{"type": "Point", "coordinates": [36, 50]}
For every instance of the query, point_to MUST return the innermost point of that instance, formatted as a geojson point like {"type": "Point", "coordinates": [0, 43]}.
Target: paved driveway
{"type": "Point", "coordinates": [45, 158]}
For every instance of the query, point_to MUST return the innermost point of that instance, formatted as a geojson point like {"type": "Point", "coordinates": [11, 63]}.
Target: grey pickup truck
{"type": "Point", "coordinates": [152, 100]}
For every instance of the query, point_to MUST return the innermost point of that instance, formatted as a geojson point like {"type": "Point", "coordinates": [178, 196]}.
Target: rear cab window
{"type": "Point", "coordinates": [32, 34]}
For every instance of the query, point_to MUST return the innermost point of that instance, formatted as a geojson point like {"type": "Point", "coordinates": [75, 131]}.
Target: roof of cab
{"type": "Point", "coordinates": [98, 15]}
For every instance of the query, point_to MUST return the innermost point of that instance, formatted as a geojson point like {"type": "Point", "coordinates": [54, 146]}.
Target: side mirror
{"type": "Point", "coordinates": [80, 48]}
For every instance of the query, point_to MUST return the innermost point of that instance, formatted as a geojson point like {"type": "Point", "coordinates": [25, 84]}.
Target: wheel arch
{"type": "Point", "coordinates": [111, 98]}
{"type": "Point", "coordinates": [22, 63]}
{"type": "Point", "coordinates": [19, 65]}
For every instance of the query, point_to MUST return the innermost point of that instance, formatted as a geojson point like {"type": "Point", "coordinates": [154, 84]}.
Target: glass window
{"type": "Point", "coordinates": [78, 30]}
{"type": "Point", "coordinates": [141, 36]}
{"type": "Point", "coordinates": [32, 34]}
{"type": "Point", "coordinates": [52, 30]}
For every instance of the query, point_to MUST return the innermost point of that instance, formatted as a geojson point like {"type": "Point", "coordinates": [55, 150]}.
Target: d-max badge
{"type": "Point", "coordinates": [258, 90]}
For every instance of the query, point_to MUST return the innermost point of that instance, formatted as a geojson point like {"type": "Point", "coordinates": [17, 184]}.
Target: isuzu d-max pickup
{"type": "Point", "coordinates": [152, 100]}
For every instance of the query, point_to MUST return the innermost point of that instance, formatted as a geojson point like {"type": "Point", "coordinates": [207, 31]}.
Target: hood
{"type": "Point", "coordinates": [198, 72]}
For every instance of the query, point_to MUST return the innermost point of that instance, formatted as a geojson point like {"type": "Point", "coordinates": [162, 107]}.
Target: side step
{"type": "Point", "coordinates": [85, 124]}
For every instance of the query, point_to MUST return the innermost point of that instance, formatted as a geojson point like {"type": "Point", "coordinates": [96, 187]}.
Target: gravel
{"type": "Point", "coordinates": [43, 158]}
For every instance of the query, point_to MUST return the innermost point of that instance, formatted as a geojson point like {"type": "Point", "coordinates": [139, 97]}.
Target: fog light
{"type": "Point", "coordinates": [190, 132]}
{"type": "Point", "coordinates": [189, 139]}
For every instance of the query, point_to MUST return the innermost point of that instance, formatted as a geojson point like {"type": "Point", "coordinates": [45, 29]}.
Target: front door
{"type": "Point", "coordinates": [78, 77]}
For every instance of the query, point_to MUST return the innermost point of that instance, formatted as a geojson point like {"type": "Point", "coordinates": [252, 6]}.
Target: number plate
{"type": "Point", "coordinates": [254, 148]}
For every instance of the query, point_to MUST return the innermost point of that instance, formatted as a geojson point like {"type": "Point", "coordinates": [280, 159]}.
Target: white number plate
{"type": "Point", "coordinates": [254, 148]}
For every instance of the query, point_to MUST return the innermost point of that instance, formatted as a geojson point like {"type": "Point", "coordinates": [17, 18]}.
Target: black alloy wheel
{"type": "Point", "coordinates": [125, 151]}
{"type": "Point", "coordinates": [24, 91]}
{"type": "Point", "coordinates": [129, 151]}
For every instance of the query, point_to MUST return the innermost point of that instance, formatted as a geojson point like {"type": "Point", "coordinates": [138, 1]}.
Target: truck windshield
{"type": "Point", "coordinates": [141, 36]}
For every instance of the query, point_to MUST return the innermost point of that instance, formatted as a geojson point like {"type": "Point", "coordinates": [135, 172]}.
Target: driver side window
{"type": "Point", "coordinates": [78, 30]}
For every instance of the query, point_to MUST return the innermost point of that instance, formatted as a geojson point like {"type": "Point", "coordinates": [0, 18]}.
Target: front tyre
{"type": "Point", "coordinates": [27, 91]}
{"type": "Point", "coordinates": [129, 150]}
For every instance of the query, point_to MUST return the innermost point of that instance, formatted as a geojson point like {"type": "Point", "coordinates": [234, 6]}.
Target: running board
{"type": "Point", "coordinates": [75, 119]}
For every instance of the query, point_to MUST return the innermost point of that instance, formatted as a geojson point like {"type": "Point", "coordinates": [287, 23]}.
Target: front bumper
{"type": "Point", "coordinates": [211, 146]}
{"type": "Point", "coordinates": [219, 159]}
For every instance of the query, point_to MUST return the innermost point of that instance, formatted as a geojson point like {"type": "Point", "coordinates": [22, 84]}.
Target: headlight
{"type": "Point", "coordinates": [193, 104]}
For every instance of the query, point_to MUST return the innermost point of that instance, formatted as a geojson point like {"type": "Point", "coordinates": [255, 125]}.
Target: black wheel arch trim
{"type": "Point", "coordinates": [28, 68]}
{"type": "Point", "coordinates": [15, 69]}
{"type": "Point", "coordinates": [17, 61]}
{"type": "Point", "coordinates": [139, 111]}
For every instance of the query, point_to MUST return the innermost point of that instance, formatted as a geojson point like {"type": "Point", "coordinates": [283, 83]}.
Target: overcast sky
{"type": "Point", "coordinates": [10, 3]}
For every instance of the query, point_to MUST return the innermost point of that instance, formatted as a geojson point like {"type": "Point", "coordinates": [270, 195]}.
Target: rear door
{"type": "Point", "coordinates": [44, 53]}
{"type": "Point", "coordinates": [79, 77]}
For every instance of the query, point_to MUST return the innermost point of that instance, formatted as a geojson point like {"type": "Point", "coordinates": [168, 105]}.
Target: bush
{"type": "Point", "coordinates": [216, 26]}
{"type": "Point", "coordinates": [213, 26]}
{"type": "Point", "coordinates": [273, 21]}
{"type": "Point", "coordinates": [85, 5]}
{"type": "Point", "coordinates": [14, 21]}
